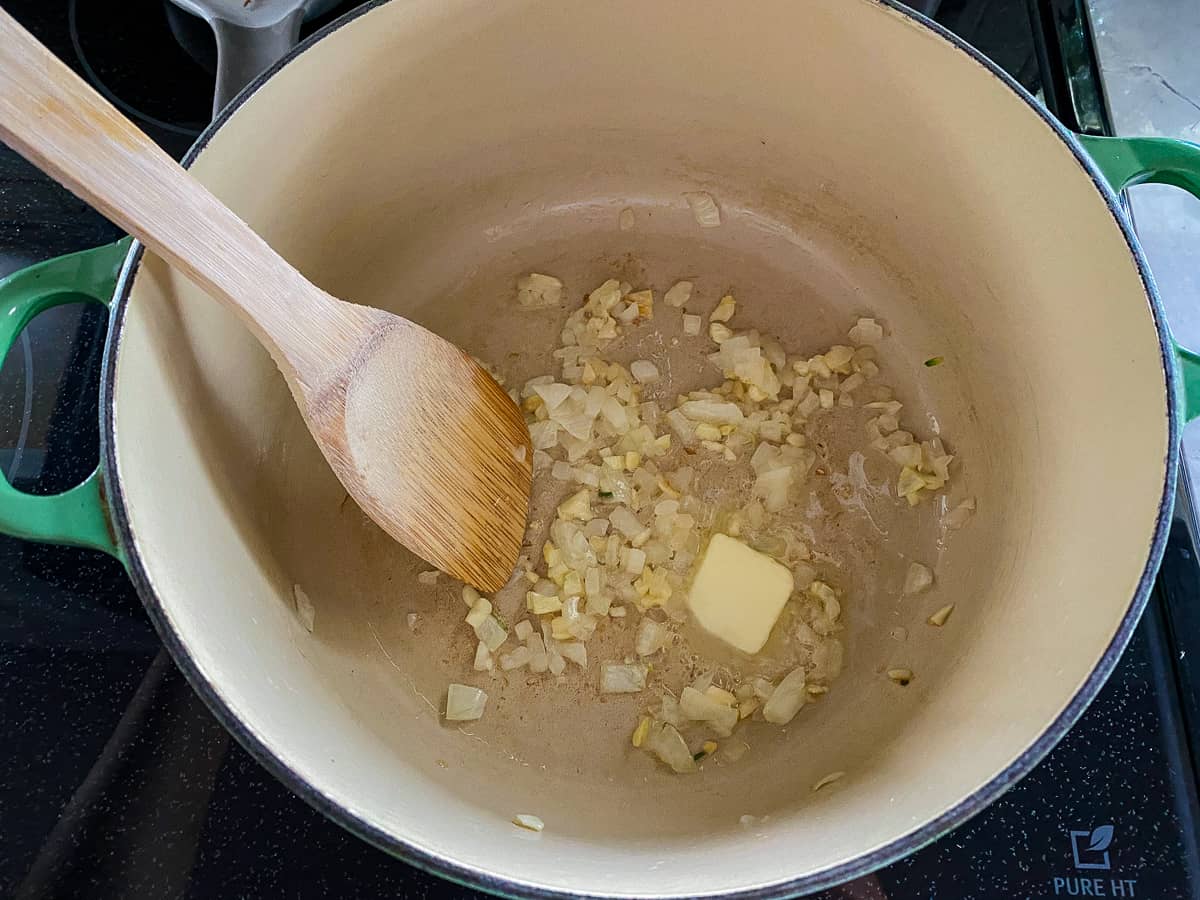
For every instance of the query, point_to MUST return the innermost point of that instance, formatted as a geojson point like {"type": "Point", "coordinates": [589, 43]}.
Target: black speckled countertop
{"type": "Point", "coordinates": [119, 783]}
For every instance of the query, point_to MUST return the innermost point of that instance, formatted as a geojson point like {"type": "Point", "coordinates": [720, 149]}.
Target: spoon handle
{"type": "Point", "coordinates": [54, 119]}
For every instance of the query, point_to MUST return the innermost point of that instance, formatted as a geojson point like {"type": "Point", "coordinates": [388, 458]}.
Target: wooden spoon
{"type": "Point", "coordinates": [420, 435]}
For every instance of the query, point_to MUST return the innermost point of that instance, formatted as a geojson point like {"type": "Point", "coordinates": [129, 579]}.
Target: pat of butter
{"type": "Point", "coordinates": [738, 593]}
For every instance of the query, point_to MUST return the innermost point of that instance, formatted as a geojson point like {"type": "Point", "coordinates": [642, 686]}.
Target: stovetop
{"type": "Point", "coordinates": [117, 782]}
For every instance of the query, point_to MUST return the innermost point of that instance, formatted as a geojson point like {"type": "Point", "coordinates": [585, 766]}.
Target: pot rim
{"type": "Point", "coordinates": [469, 876]}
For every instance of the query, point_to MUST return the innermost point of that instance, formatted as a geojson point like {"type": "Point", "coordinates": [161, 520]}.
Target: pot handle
{"type": "Point", "coordinates": [245, 51]}
{"type": "Point", "coordinates": [1125, 162]}
{"type": "Point", "coordinates": [78, 516]}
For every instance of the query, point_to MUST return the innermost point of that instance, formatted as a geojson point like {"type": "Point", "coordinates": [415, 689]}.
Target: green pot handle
{"type": "Point", "coordinates": [78, 516]}
{"type": "Point", "coordinates": [1125, 162]}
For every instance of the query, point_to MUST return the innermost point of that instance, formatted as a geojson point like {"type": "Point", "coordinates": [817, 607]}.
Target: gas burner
{"type": "Point", "coordinates": [127, 52]}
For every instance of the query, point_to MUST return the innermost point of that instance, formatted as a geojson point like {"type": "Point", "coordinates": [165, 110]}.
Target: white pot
{"type": "Point", "coordinates": [420, 155]}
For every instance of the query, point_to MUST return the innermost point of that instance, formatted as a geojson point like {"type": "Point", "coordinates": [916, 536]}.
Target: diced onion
{"type": "Point", "coordinates": [718, 332]}
{"type": "Point", "coordinates": [627, 315]}
{"type": "Point", "coordinates": [809, 405]}
{"type": "Point", "coordinates": [721, 695]}
{"type": "Point", "coordinates": [575, 652]}
{"type": "Point", "coordinates": [725, 309]}
{"type": "Point", "coordinates": [866, 331]}
{"type": "Point", "coordinates": [528, 822]}
{"type": "Point", "coordinates": [577, 506]}
{"type": "Point", "coordinates": [704, 208]}
{"type": "Point", "coordinates": [491, 633]}
{"type": "Point", "coordinates": [553, 394]}
{"type": "Point", "coordinates": [669, 711]}
{"type": "Point", "coordinates": [536, 291]}
{"type": "Point", "coordinates": [634, 560]}
{"type": "Point", "coordinates": [714, 412]}
{"type": "Point", "coordinates": [644, 301]}
{"type": "Point", "coordinates": [599, 603]}
{"type": "Point", "coordinates": [917, 579]}
{"type": "Point", "coordinates": [483, 657]}
{"type": "Point", "coordinates": [616, 678]}
{"type": "Point", "coordinates": [772, 431]}
{"type": "Point", "coordinates": [679, 294]}
{"type": "Point", "coordinates": [651, 637]}
{"type": "Point", "coordinates": [643, 371]}
{"type": "Point", "coordinates": [828, 780]}
{"type": "Point", "coordinates": [481, 609]}
{"type": "Point", "coordinates": [829, 602]}
{"type": "Point", "coordinates": [959, 516]}
{"type": "Point", "coordinates": [762, 687]}
{"type": "Point", "coordinates": [910, 482]}
{"type": "Point", "coordinates": [700, 707]}
{"type": "Point", "coordinates": [787, 698]}
{"type": "Point", "coordinates": [517, 658]}
{"type": "Point", "coordinates": [838, 358]}
{"type": "Point", "coordinates": [541, 604]}
{"type": "Point", "coordinates": [908, 456]}
{"type": "Point", "coordinates": [668, 745]}
{"type": "Point", "coordinates": [938, 619]}
{"type": "Point", "coordinates": [852, 383]}
{"type": "Point", "coordinates": [543, 435]}
{"type": "Point", "coordinates": [605, 297]}
{"type": "Point", "coordinates": [626, 522]}
{"type": "Point", "coordinates": [773, 488]}
{"type": "Point", "coordinates": [639, 734]}
{"type": "Point", "coordinates": [464, 703]}
{"type": "Point", "coordinates": [633, 524]}
{"type": "Point", "coordinates": [614, 414]}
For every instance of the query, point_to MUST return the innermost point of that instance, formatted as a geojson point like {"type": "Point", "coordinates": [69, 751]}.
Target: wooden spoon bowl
{"type": "Point", "coordinates": [422, 437]}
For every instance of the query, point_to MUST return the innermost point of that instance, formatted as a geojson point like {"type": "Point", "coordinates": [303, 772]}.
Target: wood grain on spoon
{"type": "Point", "coordinates": [421, 436]}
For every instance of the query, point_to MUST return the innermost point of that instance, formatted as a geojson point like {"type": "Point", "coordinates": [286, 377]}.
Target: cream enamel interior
{"type": "Point", "coordinates": [427, 153]}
